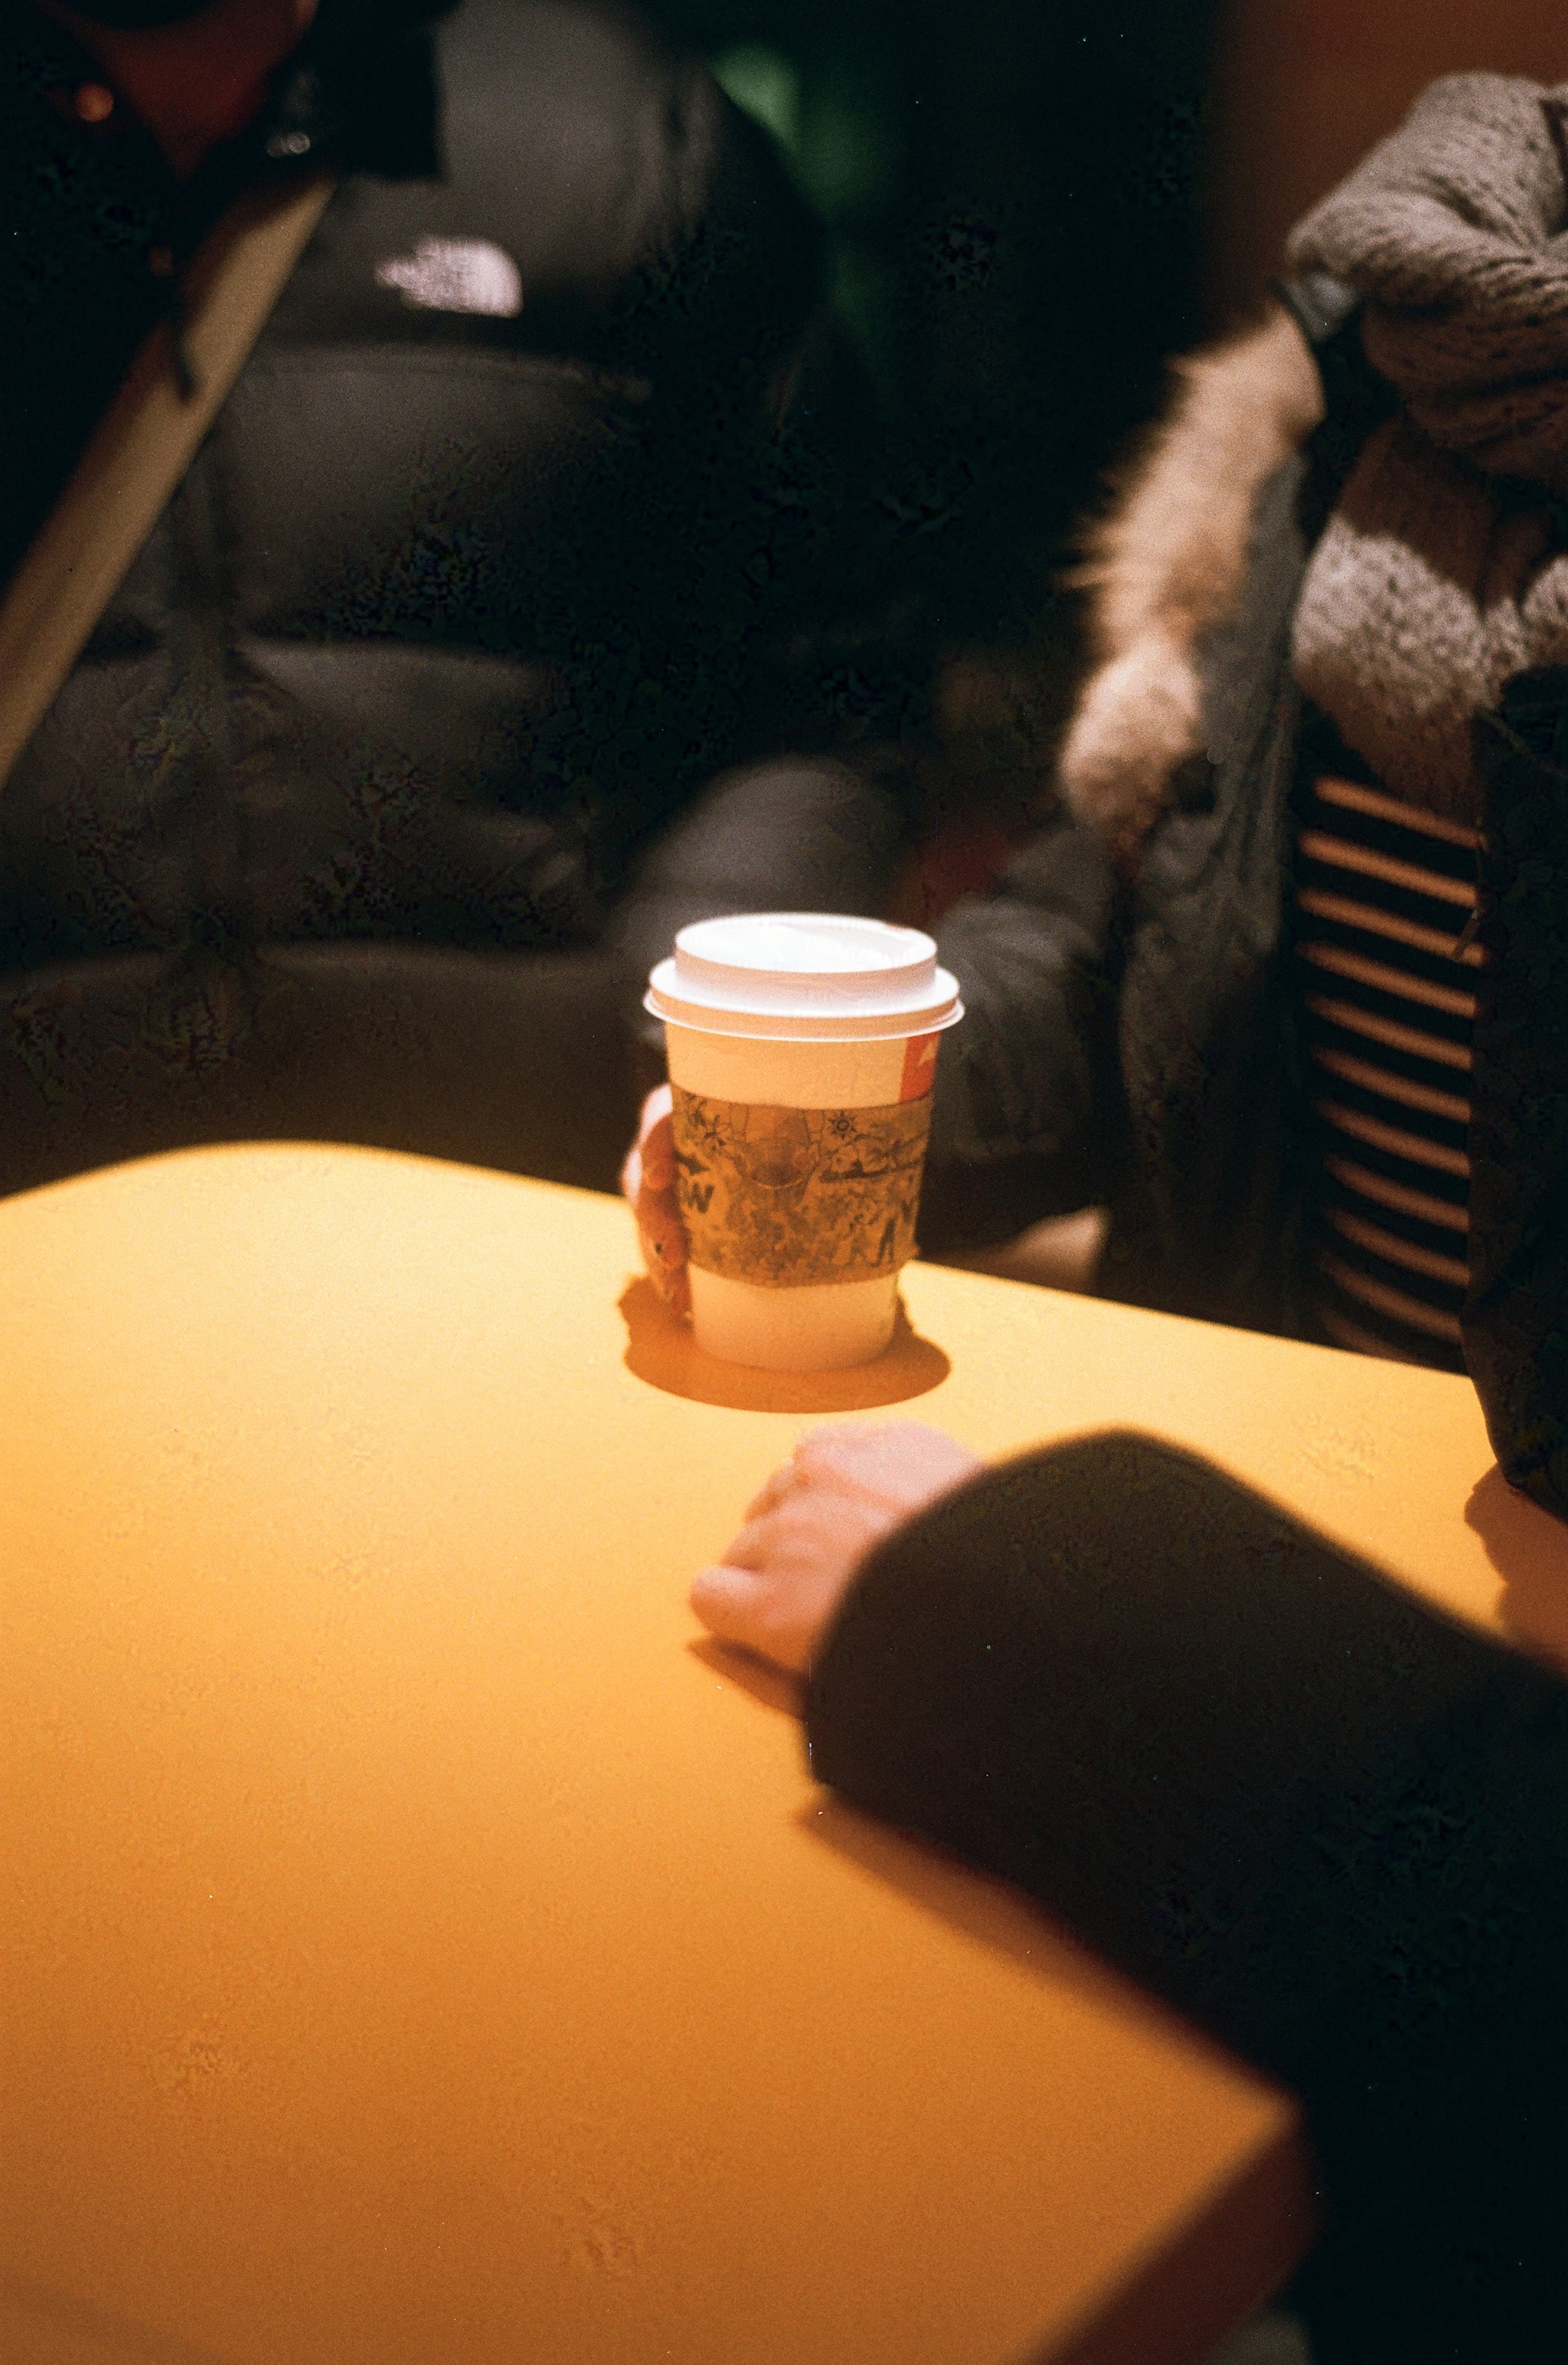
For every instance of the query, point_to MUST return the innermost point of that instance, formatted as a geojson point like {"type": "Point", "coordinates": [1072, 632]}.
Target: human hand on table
{"type": "Point", "coordinates": [647, 1179]}
{"type": "Point", "coordinates": [817, 1518]}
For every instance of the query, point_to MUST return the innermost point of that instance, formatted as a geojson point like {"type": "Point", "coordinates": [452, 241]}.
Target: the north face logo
{"type": "Point", "coordinates": [456, 274]}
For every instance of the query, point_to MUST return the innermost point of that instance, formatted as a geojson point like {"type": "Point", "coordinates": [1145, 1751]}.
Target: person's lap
{"type": "Point", "coordinates": [518, 1061]}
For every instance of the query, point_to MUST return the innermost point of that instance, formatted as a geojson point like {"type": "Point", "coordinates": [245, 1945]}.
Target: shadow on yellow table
{"type": "Point", "coordinates": [1529, 1550]}
{"type": "Point", "coordinates": [989, 1912]}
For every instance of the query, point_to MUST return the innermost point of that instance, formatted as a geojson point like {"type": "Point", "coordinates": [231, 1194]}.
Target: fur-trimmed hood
{"type": "Point", "coordinates": [1165, 568]}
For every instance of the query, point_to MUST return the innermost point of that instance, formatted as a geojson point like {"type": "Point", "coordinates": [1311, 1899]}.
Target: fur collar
{"type": "Point", "coordinates": [1165, 568]}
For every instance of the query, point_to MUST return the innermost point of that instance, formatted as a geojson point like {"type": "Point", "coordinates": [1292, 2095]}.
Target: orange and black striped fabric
{"type": "Point", "coordinates": [1386, 968]}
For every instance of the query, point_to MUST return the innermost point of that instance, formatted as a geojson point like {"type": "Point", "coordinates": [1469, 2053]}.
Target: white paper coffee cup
{"type": "Point", "coordinates": [802, 1046]}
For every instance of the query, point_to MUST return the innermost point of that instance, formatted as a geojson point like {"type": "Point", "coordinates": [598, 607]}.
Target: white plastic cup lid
{"type": "Point", "coordinates": [812, 976]}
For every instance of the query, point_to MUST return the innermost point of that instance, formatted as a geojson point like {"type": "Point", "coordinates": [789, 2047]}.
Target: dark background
{"type": "Point", "coordinates": [1013, 193]}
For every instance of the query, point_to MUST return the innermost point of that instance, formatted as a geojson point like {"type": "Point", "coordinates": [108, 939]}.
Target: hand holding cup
{"type": "Point", "coordinates": [780, 1202]}
{"type": "Point", "coordinates": [647, 1179]}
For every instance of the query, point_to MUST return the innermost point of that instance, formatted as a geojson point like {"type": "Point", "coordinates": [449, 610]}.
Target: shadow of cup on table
{"type": "Point", "coordinates": [1529, 1549]}
{"type": "Point", "coordinates": [662, 1351]}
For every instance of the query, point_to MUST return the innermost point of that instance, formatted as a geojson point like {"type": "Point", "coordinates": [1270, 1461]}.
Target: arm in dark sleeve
{"type": "Point", "coordinates": [1515, 1315]}
{"type": "Point", "coordinates": [793, 833]}
{"type": "Point", "coordinates": [678, 566]}
{"type": "Point", "coordinates": [780, 651]}
{"type": "Point", "coordinates": [1330, 1827]}
{"type": "Point", "coordinates": [1026, 1116]}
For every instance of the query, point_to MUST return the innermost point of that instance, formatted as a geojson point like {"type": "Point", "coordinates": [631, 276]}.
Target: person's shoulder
{"type": "Point", "coordinates": [583, 85]}
{"type": "Point", "coordinates": [604, 52]}
{"type": "Point", "coordinates": [52, 203]}
{"type": "Point", "coordinates": [30, 127]}
{"type": "Point", "coordinates": [620, 127]}
{"type": "Point", "coordinates": [635, 180]}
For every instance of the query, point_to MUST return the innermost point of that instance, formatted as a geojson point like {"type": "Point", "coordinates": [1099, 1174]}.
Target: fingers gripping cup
{"type": "Point", "coordinates": [802, 1047]}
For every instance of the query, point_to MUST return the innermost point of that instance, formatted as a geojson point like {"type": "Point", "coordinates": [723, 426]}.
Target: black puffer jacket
{"type": "Point", "coordinates": [518, 528]}
{"type": "Point", "coordinates": [1133, 1044]}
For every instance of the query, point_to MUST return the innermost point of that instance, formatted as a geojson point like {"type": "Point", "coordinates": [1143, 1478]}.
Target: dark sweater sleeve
{"type": "Point", "coordinates": [1326, 1825]}
{"type": "Point", "coordinates": [760, 629]}
{"type": "Point", "coordinates": [1515, 1315]}
{"type": "Point", "coordinates": [1026, 1116]}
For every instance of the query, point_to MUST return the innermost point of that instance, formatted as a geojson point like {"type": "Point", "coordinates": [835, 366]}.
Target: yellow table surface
{"type": "Point", "coordinates": [420, 1949]}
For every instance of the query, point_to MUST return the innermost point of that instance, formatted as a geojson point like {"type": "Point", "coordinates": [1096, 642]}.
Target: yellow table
{"type": "Point", "coordinates": [420, 1949]}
